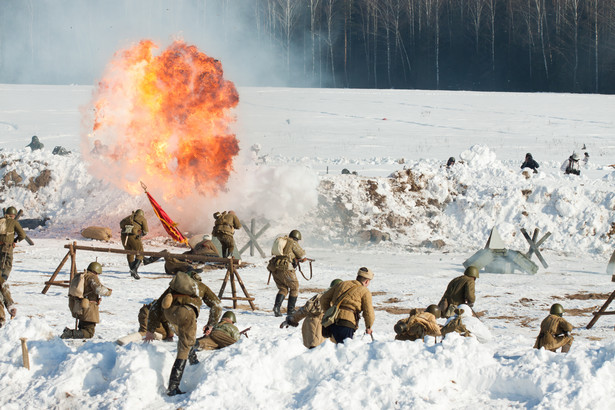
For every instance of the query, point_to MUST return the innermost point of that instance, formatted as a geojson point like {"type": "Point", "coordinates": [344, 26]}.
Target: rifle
{"type": "Point", "coordinates": [245, 332]}
{"type": "Point", "coordinates": [298, 261]}
{"type": "Point", "coordinates": [20, 213]}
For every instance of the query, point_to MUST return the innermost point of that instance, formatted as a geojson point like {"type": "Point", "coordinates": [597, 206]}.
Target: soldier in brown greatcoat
{"type": "Point", "coordinates": [312, 312]}
{"type": "Point", "coordinates": [222, 335]}
{"type": "Point", "coordinates": [9, 226]}
{"type": "Point", "coordinates": [418, 324]}
{"type": "Point", "coordinates": [224, 228]}
{"type": "Point", "coordinates": [134, 227]}
{"type": "Point", "coordinates": [459, 291]}
{"type": "Point", "coordinates": [554, 331]}
{"type": "Point", "coordinates": [353, 297]}
{"type": "Point", "coordinates": [163, 329]}
{"type": "Point", "coordinates": [6, 301]}
{"type": "Point", "coordinates": [86, 309]}
{"type": "Point", "coordinates": [181, 311]}
{"type": "Point", "coordinates": [282, 269]}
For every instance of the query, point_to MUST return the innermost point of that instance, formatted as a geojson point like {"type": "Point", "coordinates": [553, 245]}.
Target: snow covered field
{"type": "Point", "coordinates": [303, 134]}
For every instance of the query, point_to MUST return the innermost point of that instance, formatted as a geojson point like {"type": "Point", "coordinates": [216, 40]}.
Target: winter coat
{"type": "Point", "coordinates": [222, 335]}
{"type": "Point", "coordinates": [571, 166]}
{"type": "Point", "coordinates": [205, 247]}
{"type": "Point", "coordinates": [357, 300]}
{"type": "Point", "coordinates": [311, 329]}
{"type": "Point", "coordinates": [530, 163]}
{"type": "Point", "coordinates": [460, 290]}
{"type": "Point", "coordinates": [139, 225]}
{"type": "Point", "coordinates": [418, 325]}
{"type": "Point", "coordinates": [7, 239]}
{"type": "Point", "coordinates": [226, 224]}
{"type": "Point", "coordinates": [286, 262]}
{"type": "Point", "coordinates": [92, 291]}
{"type": "Point", "coordinates": [553, 333]}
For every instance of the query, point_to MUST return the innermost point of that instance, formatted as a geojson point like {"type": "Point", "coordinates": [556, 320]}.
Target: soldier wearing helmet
{"type": "Point", "coordinates": [282, 268]}
{"type": "Point", "coordinates": [133, 228]}
{"type": "Point", "coordinates": [35, 144]}
{"type": "Point", "coordinates": [224, 334]}
{"type": "Point", "coordinates": [11, 232]}
{"type": "Point", "coordinates": [554, 331]}
{"type": "Point", "coordinates": [312, 312]}
{"type": "Point", "coordinates": [6, 301]}
{"type": "Point", "coordinates": [224, 229]}
{"type": "Point", "coordinates": [353, 298]}
{"type": "Point", "coordinates": [459, 291]}
{"type": "Point", "coordinates": [419, 324]}
{"type": "Point", "coordinates": [85, 309]}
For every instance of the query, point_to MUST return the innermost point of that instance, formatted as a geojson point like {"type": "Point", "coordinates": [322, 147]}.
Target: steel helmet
{"type": "Point", "coordinates": [95, 267]}
{"type": "Point", "coordinates": [11, 210]}
{"type": "Point", "coordinates": [335, 282]}
{"type": "Point", "coordinates": [216, 215]}
{"type": "Point", "coordinates": [400, 327]}
{"type": "Point", "coordinates": [295, 234]}
{"type": "Point", "coordinates": [471, 271]}
{"type": "Point", "coordinates": [230, 315]}
{"type": "Point", "coordinates": [139, 212]}
{"type": "Point", "coordinates": [434, 310]}
{"type": "Point", "coordinates": [557, 309]}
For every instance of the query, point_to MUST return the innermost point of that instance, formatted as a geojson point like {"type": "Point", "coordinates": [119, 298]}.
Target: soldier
{"type": "Point", "coordinates": [181, 310]}
{"type": "Point", "coordinates": [35, 144]}
{"type": "Point", "coordinates": [530, 163]}
{"type": "Point", "coordinates": [6, 301]}
{"type": "Point", "coordinates": [86, 309]}
{"type": "Point", "coordinates": [224, 228]}
{"type": "Point", "coordinates": [282, 268]}
{"type": "Point", "coordinates": [134, 227]}
{"type": "Point", "coordinates": [9, 226]}
{"type": "Point", "coordinates": [554, 331]}
{"type": "Point", "coordinates": [352, 297]}
{"type": "Point", "coordinates": [418, 324]}
{"type": "Point", "coordinates": [466, 325]}
{"type": "Point", "coordinates": [312, 325]}
{"type": "Point", "coordinates": [571, 165]}
{"type": "Point", "coordinates": [459, 290]}
{"type": "Point", "coordinates": [222, 335]}
{"type": "Point", "coordinates": [99, 148]}
{"type": "Point", "coordinates": [163, 332]}
{"type": "Point", "coordinates": [205, 248]}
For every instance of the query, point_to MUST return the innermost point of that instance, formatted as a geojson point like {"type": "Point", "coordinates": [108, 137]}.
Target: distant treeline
{"type": "Point", "coordinates": [503, 45]}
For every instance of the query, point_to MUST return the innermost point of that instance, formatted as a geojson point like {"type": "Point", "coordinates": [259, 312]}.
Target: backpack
{"type": "Point", "coordinates": [184, 284]}
{"type": "Point", "coordinates": [278, 246]}
{"type": "Point", "coordinates": [3, 226]}
{"type": "Point", "coordinates": [77, 285]}
{"type": "Point", "coordinates": [127, 225]}
{"type": "Point", "coordinates": [333, 312]}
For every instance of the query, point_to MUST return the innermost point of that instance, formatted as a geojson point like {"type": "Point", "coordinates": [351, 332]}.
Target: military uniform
{"type": "Point", "coordinates": [35, 144]}
{"type": "Point", "coordinates": [222, 335]}
{"type": "Point", "coordinates": [164, 329]}
{"type": "Point", "coordinates": [418, 325]}
{"type": "Point", "coordinates": [204, 248]}
{"type": "Point", "coordinates": [459, 291]}
{"type": "Point", "coordinates": [357, 299]}
{"type": "Point", "coordinates": [86, 309]}
{"type": "Point", "coordinates": [6, 301]}
{"type": "Point", "coordinates": [132, 240]}
{"type": "Point", "coordinates": [311, 330]}
{"type": "Point", "coordinates": [8, 228]}
{"type": "Point", "coordinates": [224, 228]}
{"type": "Point", "coordinates": [282, 269]}
{"type": "Point", "coordinates": [554, 334]}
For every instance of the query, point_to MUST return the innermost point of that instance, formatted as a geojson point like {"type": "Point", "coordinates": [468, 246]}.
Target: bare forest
{"type": "Point", "coordinates": [502, 45]}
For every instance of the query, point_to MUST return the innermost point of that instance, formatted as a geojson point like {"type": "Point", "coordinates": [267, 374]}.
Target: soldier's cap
{"type": "Point", "coordinates": [365, 273]}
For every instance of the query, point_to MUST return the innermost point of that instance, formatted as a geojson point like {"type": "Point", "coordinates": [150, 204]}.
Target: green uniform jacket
{"type": "Point", "coordinates": [358, 300]}
{"type": "Point", "coordinates": [228, 328]}
{"type": "Point", "coordinates": [553, 333]}
{"type": "Point", "coordinates": [226, 224]}
{"type": "Point", "coordinates": [459, 291]}
{"type": "Point", "coordinates": [138, 222]}
{"type": "Point", "coordinates": [285, 262]}
{"type": "Point", "coordinates": [92, 291]}
{"type": "Point", "coordinates": [12, 226]}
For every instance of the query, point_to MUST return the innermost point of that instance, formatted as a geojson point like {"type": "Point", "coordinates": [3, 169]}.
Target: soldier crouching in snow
{"type": "Point", "coordinates": [85, 308]}
{"type": "Point", "coordinates": [222, 335]}
{"type": "Point", "coordinates": [418, 324]}
{"type": "Point", "coordinates": [6, 301]}
{"type": "Point", "coordinates": [554, 331]}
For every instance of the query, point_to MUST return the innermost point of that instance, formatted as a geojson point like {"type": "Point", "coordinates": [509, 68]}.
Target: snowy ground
{"type": "Point", "coordinates": [367, 131]}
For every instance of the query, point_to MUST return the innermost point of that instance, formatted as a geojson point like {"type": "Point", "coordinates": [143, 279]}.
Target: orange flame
{"type": "Point", "coordinates": [165, 119]}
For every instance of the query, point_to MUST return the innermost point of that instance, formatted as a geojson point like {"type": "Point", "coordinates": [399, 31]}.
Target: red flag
{"type": "Point", "coordinates": [167, 222]}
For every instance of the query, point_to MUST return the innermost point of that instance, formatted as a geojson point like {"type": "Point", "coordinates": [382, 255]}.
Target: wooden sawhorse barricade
{"type": "Point", "coordinates": [231, 272]}
{"type": "Point", "coordinates": [610, 269]}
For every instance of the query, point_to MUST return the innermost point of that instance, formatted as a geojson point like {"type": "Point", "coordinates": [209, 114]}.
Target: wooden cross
{"type": "Point", "coordinates": [534, 245]}
{"type": "Point", "coordinates": [252, 243]}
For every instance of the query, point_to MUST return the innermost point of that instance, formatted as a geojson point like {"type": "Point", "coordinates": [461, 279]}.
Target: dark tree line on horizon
{"type": "Point", "coordinates": [499, 45]}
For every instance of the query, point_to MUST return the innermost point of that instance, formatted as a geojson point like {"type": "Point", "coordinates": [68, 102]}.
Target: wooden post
{"type": "Point", "coordinates": [252, 227]}
{"type": "Point", "coordinates": [232, 274]}
{"type": "Point", "coordinates": [24, 353]}
{"type": "Point", "coordinates": [602, 311]}
{"type": "Point", "coordinates": [51, 280]}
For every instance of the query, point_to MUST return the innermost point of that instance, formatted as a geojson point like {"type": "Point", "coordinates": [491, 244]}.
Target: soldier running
{"type": "Point", "coordinates": [224, 229]}
{"type": "Point", "coordinates": [282, 268]}
{"type": "Point", "coordinates": [9, 226]}
{"type": "Point", "coordinates": [134, 227]}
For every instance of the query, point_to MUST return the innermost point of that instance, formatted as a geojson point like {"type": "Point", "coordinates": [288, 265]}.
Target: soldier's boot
{"type": "Point", "coordinates": [134, 266]}
{"type": "Point", "coordinates": [566, 347]}
{"type": "Point", "coordinates": [150, 259]}
{"type": "Point", "coordinates": [72, 334]}
{"type": "Point", "coordinates": [176, 377]}
{"type": "Point", "coordinates": [290, 309]}
{"type": "Point", "coordinates": [279, 298]}
{"type": "Point", "coordinates": [192, 359]}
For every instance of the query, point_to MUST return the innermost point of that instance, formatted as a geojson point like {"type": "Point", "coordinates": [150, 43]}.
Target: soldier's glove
{"type": "Point", "coordinates": [288, 322]}
{"type": "Point", "coordinates": [13, 312]}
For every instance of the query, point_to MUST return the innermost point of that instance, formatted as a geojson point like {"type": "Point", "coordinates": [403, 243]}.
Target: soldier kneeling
{"type": "Point", "coordinates": [418, 324]}
{"type": "Point", "coordinates": [222, 335]}
{"type": "Point", "coordinates": [554, 331]}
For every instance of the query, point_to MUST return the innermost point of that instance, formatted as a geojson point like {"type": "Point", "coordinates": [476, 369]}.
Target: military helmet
{"type": "Point", "coordinates": [557, 309]}
{"type": "Point", "coordinates": [139, 212]}
{"type": "Point", "coordinates": [335, 282]}
{"type": "Point", "coordinates": [34, 138]}
{"type": "Point", "coordinates": [295, 234]}
{"type": "Point", "coordinates": [230, 315]}
{"type": "Point", "coordinates": [216, 215]}
{"type": "Point", "coordinates": [434, 310]}
{"type": "Point", "coordinates": [11, 210]}
{"type": "Point", "coordinates": [95, 267]}
{"type": "Point", "coordinates": [471, 271]}
{"type": "Point", "coordinates": [400, 327]}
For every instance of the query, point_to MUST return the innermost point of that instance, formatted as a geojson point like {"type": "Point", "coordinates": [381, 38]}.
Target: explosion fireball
{"type": "Point", "coordinates": [165, 120]}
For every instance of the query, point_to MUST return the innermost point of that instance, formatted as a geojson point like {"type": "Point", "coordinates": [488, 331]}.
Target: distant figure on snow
{"type": "Point", "coordinates": [450, 162]}
{"type": "Point", "coordinates": [35, 144]}
{"type": "Point", "coordinates": [530, 163]}
{"type": "Point", "coordinates": [571, 165]}
{"type": "Point", "coordinates": [586, 160]}
{"type": "Point", "coordinates": [60, 150]}
{"type": "Point", "coordinates": [554, 331]}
